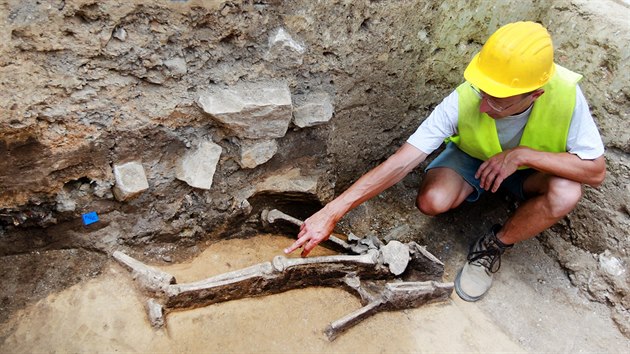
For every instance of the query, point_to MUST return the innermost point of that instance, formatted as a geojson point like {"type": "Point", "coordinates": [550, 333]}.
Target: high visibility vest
{"type": "Point", "coordinates": [547, 127]}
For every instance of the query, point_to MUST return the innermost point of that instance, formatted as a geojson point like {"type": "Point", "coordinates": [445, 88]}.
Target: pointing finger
{"type": "Point", "coordinates": [297, 244]}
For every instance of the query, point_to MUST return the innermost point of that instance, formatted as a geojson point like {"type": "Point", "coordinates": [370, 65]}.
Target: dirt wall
{"type": "Point", "coordinates": [87, 85]}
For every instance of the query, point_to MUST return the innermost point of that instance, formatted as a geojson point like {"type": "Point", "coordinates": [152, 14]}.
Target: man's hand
{"type": "Point", "coordinates": [496, 169]}
{"type": "Point", "coordinates": [320, 225]}
{"type": "Point", "coordinates": [314, 230]}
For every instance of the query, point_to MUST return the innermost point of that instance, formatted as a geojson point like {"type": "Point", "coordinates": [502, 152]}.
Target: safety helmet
{"type": "Point", "coordinates": [516, 59]}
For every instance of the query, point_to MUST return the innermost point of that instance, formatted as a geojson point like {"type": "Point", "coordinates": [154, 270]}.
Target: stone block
{"type": "Point", "coordinates": [198, 166]}
{"type": "Point", "coordinates": [257, 152]}
{"type": "Point", "coordinates": [130, 180]}
{"type": "Point", "coordinates": [250, 110]}
{"type": "Point", "coordinates": [177, 66]}
{"type": "Point", "coordinates": [312, 109]}
{"type": "Point", "coordinates": [284, 51]}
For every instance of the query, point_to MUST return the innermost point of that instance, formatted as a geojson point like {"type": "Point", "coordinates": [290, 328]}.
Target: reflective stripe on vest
{"type": "Point", "coordinates": [547, 127]}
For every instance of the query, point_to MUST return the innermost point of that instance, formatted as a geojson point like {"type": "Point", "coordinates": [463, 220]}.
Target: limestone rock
{"type": "Point", "coordinates": [197, 167]}
{"type": "Point", "coordinates": [286, 181]}
{"type": "Point", "coordinates": [259, 110]}
{"type": "Point", "coordinates": [177, 66]}
{"type": "Point", "coordinates": [130, 180]}
{"type": "Point", "coordinates": [312, 109]}
{"type": "Point", "coordinates": [65, 202]}
{"type": "Point", "coordinates": [290, 180]}
{"type": "Point", "coordinates": [612, 265]}
{"type": "Point", "coordinates": [257, 152]}
{"type": "Point", "coordinates": [284, 51]}
{"type": "Point", "coordinates": [120, 34]}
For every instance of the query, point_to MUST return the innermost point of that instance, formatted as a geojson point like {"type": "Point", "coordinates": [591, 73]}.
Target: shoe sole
{"type": "Point", "coordinates": [461, 292]}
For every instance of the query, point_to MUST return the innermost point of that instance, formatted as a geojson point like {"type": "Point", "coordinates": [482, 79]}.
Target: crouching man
{"type": "Point", "coordinates": [519, 122]}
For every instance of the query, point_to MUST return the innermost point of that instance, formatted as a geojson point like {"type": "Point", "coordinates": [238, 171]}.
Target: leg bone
{"type": "Point", "coordinates": [394, 296]}
{"type": "Point", "coordinates": [150, 278]}
{"type": "Point", "coordinates": [270, 216]}
{"type": "Point", "coordinates": [273, 277]}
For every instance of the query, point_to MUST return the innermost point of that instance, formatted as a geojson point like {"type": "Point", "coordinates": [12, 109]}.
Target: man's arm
{"type": "Point", "coordinates": [562, 164]}
{"type": "Point", "coordinates": [320, 225]}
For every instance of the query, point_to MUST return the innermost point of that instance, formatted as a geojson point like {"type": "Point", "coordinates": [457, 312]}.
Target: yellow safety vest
{"type": "Point", "coordinates": [547, 127]}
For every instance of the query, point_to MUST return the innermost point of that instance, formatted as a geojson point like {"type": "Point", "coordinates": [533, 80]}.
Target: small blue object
{"type": "Point", "coordinates": [89, 218]}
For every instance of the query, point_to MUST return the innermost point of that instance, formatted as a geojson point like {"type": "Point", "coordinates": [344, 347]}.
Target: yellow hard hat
{"type": "Point", "coordinates": [517, 58]}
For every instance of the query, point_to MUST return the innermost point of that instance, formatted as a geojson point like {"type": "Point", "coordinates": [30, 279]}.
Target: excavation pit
{"type": "Point", "coordinates": [107, 313]}
{"type": "Point", "coordinates": [108, 109]}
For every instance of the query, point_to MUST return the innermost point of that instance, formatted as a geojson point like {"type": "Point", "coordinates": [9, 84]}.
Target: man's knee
{"type": "Point", "coordinates": [433, 202]}
{"type": "Point", "coordinates": [563, 196]}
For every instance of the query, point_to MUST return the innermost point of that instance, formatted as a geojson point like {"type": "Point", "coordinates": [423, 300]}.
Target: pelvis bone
{"type": "Point", "coordinates": [391, 277]}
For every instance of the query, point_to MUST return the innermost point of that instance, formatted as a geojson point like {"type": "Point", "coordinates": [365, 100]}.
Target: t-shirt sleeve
{"type": "Point", "coordinates": [583, 139]}
{"type": "Point", "coordinates": [440, 124]}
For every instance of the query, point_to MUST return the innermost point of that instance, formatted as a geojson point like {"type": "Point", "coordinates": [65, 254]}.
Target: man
{"type": "Point", "coordinates": [519, 122]}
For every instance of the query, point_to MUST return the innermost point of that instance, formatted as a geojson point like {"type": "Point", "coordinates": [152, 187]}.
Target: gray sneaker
{"type": "Point", "coordinates": [484, 259]}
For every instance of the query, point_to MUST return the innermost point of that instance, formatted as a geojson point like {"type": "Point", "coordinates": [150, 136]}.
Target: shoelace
{"type": "Point", "coordinates": [488, 257]}
{"type": "Point", "coordinates": [488, 253]}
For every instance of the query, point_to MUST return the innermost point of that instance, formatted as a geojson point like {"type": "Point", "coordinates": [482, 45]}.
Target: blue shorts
{"type": "Point", "coordinates": [466, 166]}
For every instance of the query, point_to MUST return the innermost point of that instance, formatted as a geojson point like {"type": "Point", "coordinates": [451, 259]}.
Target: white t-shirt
{"type": "Point", "coordinates": [583, 139]}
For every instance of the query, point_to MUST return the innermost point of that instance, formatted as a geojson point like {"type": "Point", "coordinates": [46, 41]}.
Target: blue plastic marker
{"type": "Point", "coordinates": [89, 218]}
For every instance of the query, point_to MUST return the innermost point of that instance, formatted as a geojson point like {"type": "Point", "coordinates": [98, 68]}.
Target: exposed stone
{"type": "Point", "coordinates": [284, 40]}
{"type": "Point", "coordinates": [290, 180]}
{"type": "Point", "coordinates": [312, 109]}
{"type": "Point", "coordinates": [120, 34]}
{"type": "Point", "coordinates": [284, 51]}
{"type": "Point", "coordinates": [197, 167]}
{"type": "Point", "coordinates": [130, 180]}
{"type": "Point", "coordinates": [285, 181]}
{"type": "Point", "coordinates": [65, 202]}
{"type": "Point", "coordinates": [612, 265]}
{"type": "Point", "coordinates": [259, 110]}
{"type": "Point", "coordinates": [177, 66]}
{"type": "Point", "coordinates": [254, 153]}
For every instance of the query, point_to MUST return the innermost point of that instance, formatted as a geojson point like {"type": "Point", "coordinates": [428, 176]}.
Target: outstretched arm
{"type": "Point", "coordinates": [320, 225]}
{"type": "Point", "coordinates": [562, 164]}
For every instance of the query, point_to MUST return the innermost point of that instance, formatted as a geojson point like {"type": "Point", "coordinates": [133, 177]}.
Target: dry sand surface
{"type": "Point", "coordinates": [106, 314]}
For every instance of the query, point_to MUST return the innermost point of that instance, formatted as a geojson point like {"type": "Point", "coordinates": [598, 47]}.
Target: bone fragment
{"type": "Point", "coordinates": [396, 256]}
{"type": "Point", "coordinates": [352, 237]}
{"type": "Point", "coordinates": [270, 216]}
{"type": "Point", "coordinates": [273, 277]}
{"type": "Point", "coordinates": [244, 275]}
{"type": "Point", "coordinates": [360, 245]}
{"type": "Point", "coordinates": [342, 324]}
{"type": "Point", "coordinates": [405, 295]}
{"type": "Point", "coordinates": [423, 265]}
{"type": "Point", "coordinates": [281, 263]}
{"type": "Point", "coordinates": [410, 260]}
{"type": "Point", "coordinates": [150, 278]}
{"type": "Point", "coordinates": [156, 313]}
{"type": "Point", "coordinates": [394, 296]}
{"type": "Point", "coordinates": [354, 283]}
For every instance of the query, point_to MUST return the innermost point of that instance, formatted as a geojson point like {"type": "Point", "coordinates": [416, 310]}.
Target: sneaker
{"type": "Point", "coordinates": [484, 259]}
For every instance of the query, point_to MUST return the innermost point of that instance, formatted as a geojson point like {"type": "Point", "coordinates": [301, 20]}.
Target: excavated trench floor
{"type": "Point", "coordinates": [105, 313]}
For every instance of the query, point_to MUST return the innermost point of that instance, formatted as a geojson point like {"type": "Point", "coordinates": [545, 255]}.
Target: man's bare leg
{"type": "Point", "coordinates": [442, 189]}
{"type": "Point", "coordinates": [554, 198]}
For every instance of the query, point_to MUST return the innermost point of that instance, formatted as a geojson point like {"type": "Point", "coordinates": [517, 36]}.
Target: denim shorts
{"type": "Point", "coordinates": [466, 166]}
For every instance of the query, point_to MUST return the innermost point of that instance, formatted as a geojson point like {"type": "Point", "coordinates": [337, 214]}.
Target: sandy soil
{"type": "Point", "coordinates": [106, 314]}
